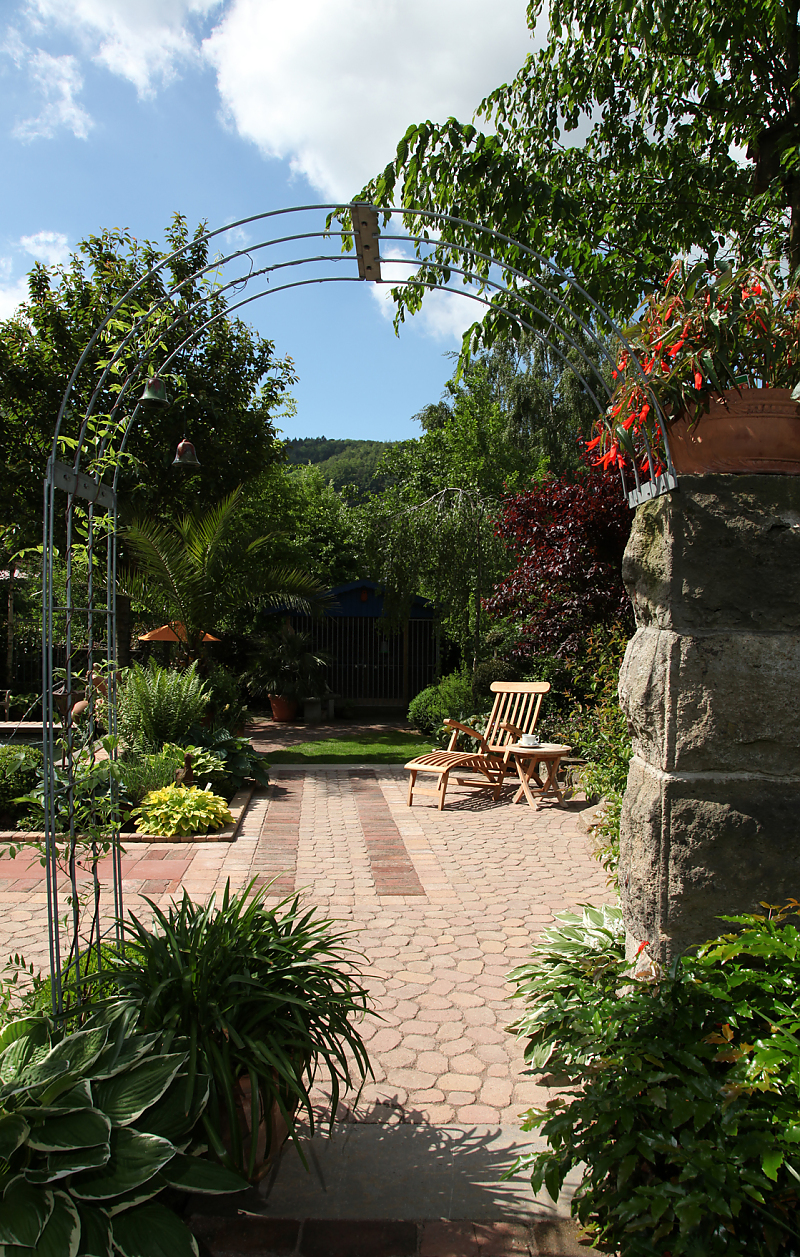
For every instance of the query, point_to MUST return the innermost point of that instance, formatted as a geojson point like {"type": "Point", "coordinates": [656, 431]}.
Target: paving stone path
{"type": "Point", "coordinates": [444, 904]}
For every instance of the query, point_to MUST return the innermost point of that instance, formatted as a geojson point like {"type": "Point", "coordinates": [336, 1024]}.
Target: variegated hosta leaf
{"type": "Point", "coordinates": [124, 1097]}
{"type": "Point", "coordinates": [13, 1132]}
{"type": "Point", "coordinates": [59, 1164]}
{"type": "Point", "coordinates": [81, 1129]}
{"type": "Point", "coordinates": [24, 1211]}
{"type": "Point", "coordinates": [95, 1233]}
{"type": "Point", "coordinates": [73, 1055]}
{"type": "Point", "coordinates": [134, 1159]}
{"type": "Point", "coordinates": [139, 1195]}
{"type": "Point", "coordinates": [152, 1231]}
{"type": "Point", "coordinates": [194, 1174]}
{"type": "Point", "coordinates": [117, 1057]}
{"type": "Point", "coordinates": [60, 1236]}
{"type": "Point", "coordinates": [169, 1118]}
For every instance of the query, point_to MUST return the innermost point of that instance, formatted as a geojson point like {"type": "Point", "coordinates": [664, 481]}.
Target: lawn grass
{"type": "Point", "coordinates": [392, 747]}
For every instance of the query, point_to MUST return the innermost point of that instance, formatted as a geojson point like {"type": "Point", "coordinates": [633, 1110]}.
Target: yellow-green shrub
{"type": "Point", "coordinates": [180, 810]}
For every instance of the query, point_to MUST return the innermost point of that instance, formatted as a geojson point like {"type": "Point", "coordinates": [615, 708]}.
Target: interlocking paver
{"type": "Point", "coordinates": [443, 905]}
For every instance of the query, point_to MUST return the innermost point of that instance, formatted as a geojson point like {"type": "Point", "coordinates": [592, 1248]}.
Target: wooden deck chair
{"type": "Point", "coordinates": [514, 712]}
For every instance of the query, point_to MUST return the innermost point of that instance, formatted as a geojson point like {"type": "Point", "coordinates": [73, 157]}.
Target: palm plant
{"type": "Point", "coordinates": [184, 572]}
{"type": "Point", "coordinates": [287, 663]}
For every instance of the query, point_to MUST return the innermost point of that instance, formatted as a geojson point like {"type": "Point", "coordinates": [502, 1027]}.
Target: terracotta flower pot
{"type": "Point", "coordinates": [283, 708]}
{"type": "Point", "coordinates": [270, 1136]}
{"type": "Point", "coordinates": [757, 430]}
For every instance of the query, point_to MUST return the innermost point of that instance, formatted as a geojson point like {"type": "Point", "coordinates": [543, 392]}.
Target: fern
{"type": "Point", "coordinates": [160, 705]}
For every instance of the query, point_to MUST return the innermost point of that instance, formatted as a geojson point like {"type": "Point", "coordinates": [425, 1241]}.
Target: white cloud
{"type": "Point", "coordinates": [332, 87]}
{"type": "Point", "coordinates": [50, 247]}
{"type": "Point", "coordinates": [59, 81]}
{"type": "Point", "coordinates": [444, 315]}
{"type": "Point", "coordinates": [12, 292]}
{"type": "Point", "coordinates": [140, 40]}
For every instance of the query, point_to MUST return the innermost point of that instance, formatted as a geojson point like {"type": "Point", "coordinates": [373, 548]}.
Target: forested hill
{"type": "Point", "coordinates": [343, 462]}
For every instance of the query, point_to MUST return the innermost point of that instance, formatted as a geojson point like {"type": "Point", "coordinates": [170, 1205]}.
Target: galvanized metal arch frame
{"type": "Point", "coordinates": [100, 496]}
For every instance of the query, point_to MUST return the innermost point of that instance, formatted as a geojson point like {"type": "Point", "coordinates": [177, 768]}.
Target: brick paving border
{"type": "Point", "coordinates": [340, 1237]}
{"type": "Point", "coordinates": [392, 869]}
{"type": "Point", "coordinates": [276, 850]}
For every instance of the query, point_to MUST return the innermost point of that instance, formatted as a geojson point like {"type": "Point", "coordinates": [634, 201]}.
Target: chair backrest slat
{"type": "Point", "coordinates": [516, 703]}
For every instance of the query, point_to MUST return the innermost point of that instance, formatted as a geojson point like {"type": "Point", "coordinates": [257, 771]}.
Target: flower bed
{"type": "Point", "coordinates": [237, 806]}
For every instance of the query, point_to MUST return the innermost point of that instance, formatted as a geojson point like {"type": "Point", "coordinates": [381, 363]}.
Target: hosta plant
{"type": "Point", "coordinates": [93, 1127]}
{"type": "Point", "coordinates": [240, 761]}
{"type": "Point", "coordinates": [575, 951]}
{"type": "Point", "coordinates": [142, 774]}
{"type": "Point", "coordinates": [682, 1112]}
{"type": "Point", "coordinates": [177, 811]}
{"type": "Point", "coordinates": [269, 998]}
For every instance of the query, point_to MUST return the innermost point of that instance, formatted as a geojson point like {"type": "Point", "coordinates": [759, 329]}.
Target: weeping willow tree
{"type": "Point", "coordinates": [506, 419]}
{"type": "Point", "coordinates": [443, 549]}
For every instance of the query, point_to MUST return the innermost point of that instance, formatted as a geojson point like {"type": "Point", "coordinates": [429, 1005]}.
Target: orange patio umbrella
{"type": "Point", "coordinates": [167, 634]}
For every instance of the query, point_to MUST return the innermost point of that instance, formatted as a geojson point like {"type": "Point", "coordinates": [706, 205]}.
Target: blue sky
{"type": "Point", "coordinates": [117, 113]}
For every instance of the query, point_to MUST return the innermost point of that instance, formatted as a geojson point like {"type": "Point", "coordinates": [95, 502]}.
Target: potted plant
{"type": "Point", "coordinates": [287, 669]}
{"type": "Point", "coordinates": [720, 354]}
{"type": "Point", "coordinates": [268, 998]}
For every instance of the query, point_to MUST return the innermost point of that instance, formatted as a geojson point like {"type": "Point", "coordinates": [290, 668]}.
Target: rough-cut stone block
{"type": "Point", "coordinates": [698, 846]}
{"type": "Point", "coordinates": [720, 702]}
{"type": "Point", "coordinates": [718, 554]}
{"type": "Point", "coordinates": [709, 685]}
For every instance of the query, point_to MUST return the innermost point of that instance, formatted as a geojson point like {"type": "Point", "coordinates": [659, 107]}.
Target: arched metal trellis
{"type": "Point", "coordinates": [80, 803]}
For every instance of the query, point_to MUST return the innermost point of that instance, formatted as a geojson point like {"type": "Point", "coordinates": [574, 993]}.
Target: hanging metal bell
{"type": "Point", "coordinates": [185, 455]}
{"type": "Point", "coordinates": [155, 391]}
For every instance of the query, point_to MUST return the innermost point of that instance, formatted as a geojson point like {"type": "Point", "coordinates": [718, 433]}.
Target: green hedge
{"type": "Point", "coordinates": [19, 773]}
{"type": "Point", "coordinates": [451, 697]}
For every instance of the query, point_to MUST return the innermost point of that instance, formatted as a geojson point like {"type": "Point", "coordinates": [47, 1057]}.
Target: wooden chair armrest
{"type": "Point", "coordinates": [513, 729]}
{"type": "Point", "coordinates": [457, 727]}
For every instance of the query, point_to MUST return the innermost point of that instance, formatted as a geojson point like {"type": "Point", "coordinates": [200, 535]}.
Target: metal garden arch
{"type": "Point", "coordinates": [90, 482]}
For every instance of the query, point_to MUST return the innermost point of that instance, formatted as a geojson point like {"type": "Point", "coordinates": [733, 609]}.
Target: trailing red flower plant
{"type": "Point", "coordinates": [706, 332]}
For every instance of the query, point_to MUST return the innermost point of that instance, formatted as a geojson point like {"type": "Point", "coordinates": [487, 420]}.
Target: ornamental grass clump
{"type": "Point", "coordinates": [683, 1108]}
{"type": "Point", "coordinates": [177, 811]}
{"type": "Point", "coordinates": [706, 332]}
{"type": "Point", "coordinates": [268, 997]}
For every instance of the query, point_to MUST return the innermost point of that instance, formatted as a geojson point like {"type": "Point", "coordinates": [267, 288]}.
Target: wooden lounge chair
{"type": "Point", "coordinates": [514, 713]}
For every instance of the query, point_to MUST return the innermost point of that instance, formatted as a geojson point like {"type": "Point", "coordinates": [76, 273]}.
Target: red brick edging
{"type": "Point", "coordinates": [276, 852]}
{"type": "Point", "coordinates": [390, 863]}
{"type": "Point", "coordinates": [341, 1237]}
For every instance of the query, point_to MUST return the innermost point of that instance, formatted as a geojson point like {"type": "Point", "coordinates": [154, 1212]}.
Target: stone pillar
{"type": "Point", "coordinates": [711, 689]}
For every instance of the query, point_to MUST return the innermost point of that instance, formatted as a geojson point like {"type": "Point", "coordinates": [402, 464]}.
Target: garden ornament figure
{"type": "Point", "coordinates": [185, 776]}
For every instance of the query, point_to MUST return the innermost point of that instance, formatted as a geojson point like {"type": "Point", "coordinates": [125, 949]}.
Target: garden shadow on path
{"type": "Point", "coordinates": [406, 1171]}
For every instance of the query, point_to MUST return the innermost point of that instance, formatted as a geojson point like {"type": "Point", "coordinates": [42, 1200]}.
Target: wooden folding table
{"type": "Point", "coordinates": [528, 759]}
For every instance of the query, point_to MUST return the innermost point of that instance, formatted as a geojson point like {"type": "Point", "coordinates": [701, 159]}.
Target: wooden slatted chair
{"type": "Point", "coordinates": [514, 712]}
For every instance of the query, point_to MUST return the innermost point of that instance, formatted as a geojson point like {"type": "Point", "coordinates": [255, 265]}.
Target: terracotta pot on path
{"type": "Point", "coordinates": [755, 431]}
{"type": "Point", "coordinates": [283, 708]}
{"type": "Point", "coordinates": [273, 1122]}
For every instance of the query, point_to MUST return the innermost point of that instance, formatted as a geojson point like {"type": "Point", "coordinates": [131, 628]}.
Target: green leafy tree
{"type": "Point", "coordinates": [312, 526]}
{"type": "Point", "coordinates": [431, 533]}
{"type": "Point", "coordinates": [641, 130]}
{"type": "Point", "coordinates": [224, 385]}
